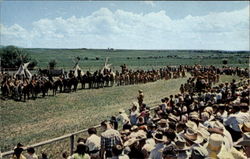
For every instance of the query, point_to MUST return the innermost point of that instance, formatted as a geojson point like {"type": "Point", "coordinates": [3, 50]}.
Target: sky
{"type": "Point", "coordinates": [208, 25]}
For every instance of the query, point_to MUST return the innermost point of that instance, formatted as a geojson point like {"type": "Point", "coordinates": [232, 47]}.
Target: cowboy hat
{"type": "Point", "coordinates": [130, 142]}
{"type": "Point", "coordinates": [135, 127]}
{"type": "Point", "coordinates": [158, 136]}
{"type": "Point", "coordinates": [245, 127]}
{"type": "Point", "coordinates": [215, 142]}
{"type": "Point", "coordinates": [121, 111]}
{"type": "Point", "coordinates": [193, 136]}
{"type": "Point", "coordinates": [180, 142]}
{"type": "Point", "coordinates": [172, 117]}
{"type": "Point", "coordinates": [199, 152]}
{"type": "Point", "coordinates": [191, 124]}
{"type": "Point", "coordinates": [163, 121]}
{"type": "Point", "coordinates": [194, 116]}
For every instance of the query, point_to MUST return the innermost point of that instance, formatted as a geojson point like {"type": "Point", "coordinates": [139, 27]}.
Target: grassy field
{"type": "Point", "coordinates": [136, 59]}
{"type": "Point", "coordinates": [53, 116]}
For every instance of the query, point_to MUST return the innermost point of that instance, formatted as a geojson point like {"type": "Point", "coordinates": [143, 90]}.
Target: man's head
{"type": "Point", "coordinates": [92, 131]}
{"type": "Point", "coordinates": [105, 124]}
{"type": "Point", "coordinates": [31, 150]}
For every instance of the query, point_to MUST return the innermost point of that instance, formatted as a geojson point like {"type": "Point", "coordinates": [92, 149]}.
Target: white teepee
{"type": "Point", "coordinates": [23, 70]}
{"type": "Point", "coordinates": [106, 65]}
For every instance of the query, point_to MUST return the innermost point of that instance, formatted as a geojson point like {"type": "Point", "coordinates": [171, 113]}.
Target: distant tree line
{"type": "Point", "coordinates": [12, 57]}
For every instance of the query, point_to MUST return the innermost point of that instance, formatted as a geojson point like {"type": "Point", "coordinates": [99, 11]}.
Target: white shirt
{"type": "Point", "coordinates": [93, 142]}
{"type": "Point", "coordinates": [123, 117]}
{"type": "Point", "coordinates": [34, 156]}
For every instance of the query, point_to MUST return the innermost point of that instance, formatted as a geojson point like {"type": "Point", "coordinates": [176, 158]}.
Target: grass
{"type": "Point", "coordinates": [41, 119]}
{"type": "Point", "coordinates": [148, 58]}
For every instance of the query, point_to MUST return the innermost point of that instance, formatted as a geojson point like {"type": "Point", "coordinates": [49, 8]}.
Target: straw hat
{"type": "Point", "coordinates": [163, 121]}
{"type": "Point", "coordinates": [245, 140]}
{"type": "Point", "coordinates": [121, 111]}
{"type": "Point", "coordinates": [172, 117]}
{"type": "Point", "coordinates": [130, 142]}
{"type": "Point", "coordinates": [203, 132]}
{"type": "Point", "coordinates": [134, 128]}
{"type": "Point", "coordinates": [245, 127]}
{"type": "Point", "coordinates": [124, 132]}
{"type": "Point", "coordinates": [158, 136]}
{"type": "Point", "coordinates": [215, 142]}
{"type": "Point", "coordinates": [192, 135]}
{"type": "Point", "coordinates": [181, 143]}
{"type": "Point", "coordinates": [194, 116]}
{"type": "Point", "coordinates": [199, 152]}
{"type": "Point", "coordinates": [191, 124]}
{"type": "Point", "coordinates": [209, 110]}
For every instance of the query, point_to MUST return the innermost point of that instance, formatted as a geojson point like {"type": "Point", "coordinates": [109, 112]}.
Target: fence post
{"type": "Point", "coordinates": [71, 144]}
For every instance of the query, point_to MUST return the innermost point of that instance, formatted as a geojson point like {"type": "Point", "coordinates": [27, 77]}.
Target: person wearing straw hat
{"type": "Point", "coordinates": [162, 125]}
{"type": "Point", "coordinates": [181, 147]}
{"type": "Point", "coordinates": [245, 127]}
{"type": "Point", "coordinates": [160, 139]}
{"type": "Point", "coordinates": [199, 152]}
{"type": "Point", "coordinates": [123, 117]}
{"type": "Point", "coordinates": [192, 136]}
{"type": "Point", "coordinates": [216, 148]}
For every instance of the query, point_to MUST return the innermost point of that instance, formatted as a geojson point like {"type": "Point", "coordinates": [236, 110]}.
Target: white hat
{"type": "Point", "coordinates": [158, 136]}
{"type": "Point", "coordinates": [215, 142]}
{"type": "Point", "coordinates": [193, 136]}
{"type": "Point", "coordinates": [121, 111]}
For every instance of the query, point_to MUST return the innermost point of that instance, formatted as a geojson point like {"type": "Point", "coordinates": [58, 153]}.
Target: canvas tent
{"type": "Point", "coordinates": [106, 66]}
{"type": "Point", "coordinates": [23, 70]}
{"type": "Point", "coordinates": [76, 69]}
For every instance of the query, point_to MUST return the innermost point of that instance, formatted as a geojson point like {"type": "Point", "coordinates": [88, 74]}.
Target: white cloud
{"type": "Point", "coordinates": [122, 29]}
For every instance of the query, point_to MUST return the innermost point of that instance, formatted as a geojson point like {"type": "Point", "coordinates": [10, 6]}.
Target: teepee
{"type": "Point", "coordinates": [23, 70]}
{"type": "Point", "coordinates": [77, 67]}
{"type": "Point", "coordinates": [106, 65]}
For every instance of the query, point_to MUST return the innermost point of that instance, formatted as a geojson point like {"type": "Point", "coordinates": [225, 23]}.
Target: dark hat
{"type": "Point", "coordinates": [158, 136]}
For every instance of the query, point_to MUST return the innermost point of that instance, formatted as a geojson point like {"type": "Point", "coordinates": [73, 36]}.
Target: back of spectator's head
{"type": "Point", "coordinates": [44, 156]}
{"type": "Point", "coordinates": [18, 151]}
{"type": "Point", "coordinates": [31, 150]}
{"type": "Point", "coordinates": [117, 150]}
{"type": "Point", "coordinates": [166, 99]}
{"type": "Point", "coordinates": [92, 131]}
{"type": "Point", "coordinates": [80, 139]}
{"type": "Point", "coordinates": [82, 149]}
{"type": "Point", "coordinates": [162, 100]}
{"type": "Point", "coordinates": [65, 154]}
{"type": "Point", "coordinates": [104, 123]}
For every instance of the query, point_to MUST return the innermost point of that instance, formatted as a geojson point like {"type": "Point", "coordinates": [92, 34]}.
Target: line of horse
{"type": "Point", "coordinates": [21, 88]}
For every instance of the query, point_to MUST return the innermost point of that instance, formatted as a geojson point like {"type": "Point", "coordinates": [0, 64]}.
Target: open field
{"type": "Point", "coordinates": [41, 119]}
{"type": "Point", "coordinates": [137, 59]}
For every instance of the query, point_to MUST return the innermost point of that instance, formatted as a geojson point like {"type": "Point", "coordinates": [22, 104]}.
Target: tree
{"type": "Point", "coordinates": [33, 64]}
{"type": "Point", "coordinates": [13, 57]}
{"type": "Point", "coordinates": [52, 64]}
